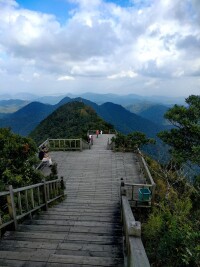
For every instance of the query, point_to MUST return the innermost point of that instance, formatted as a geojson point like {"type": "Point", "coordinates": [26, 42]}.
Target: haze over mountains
{"type": "Point", "coordinates": [97, 98]}
{"type": "Point", "coordinates": [144, 106]}
{"type": "Point", "coordinates": [27, 118]}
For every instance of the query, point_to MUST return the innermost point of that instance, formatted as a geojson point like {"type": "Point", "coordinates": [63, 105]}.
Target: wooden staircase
{"type": "Point", "coordinates": [73, 233]}
{"type": "Point", "coordinates": [86, 228]}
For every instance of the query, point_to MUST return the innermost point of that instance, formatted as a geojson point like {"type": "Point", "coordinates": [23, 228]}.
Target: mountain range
{"type": "Point", "coordinates": [123, 100]}
{"type": "Point", "coordinates": [27, 118]}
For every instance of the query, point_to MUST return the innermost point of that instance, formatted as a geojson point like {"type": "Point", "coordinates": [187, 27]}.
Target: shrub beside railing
{"type": "Point", "coordinates": [21, 202]}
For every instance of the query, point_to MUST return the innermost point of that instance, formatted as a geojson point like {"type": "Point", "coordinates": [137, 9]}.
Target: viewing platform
{"type": "Point", "coordinates": [85, 229]}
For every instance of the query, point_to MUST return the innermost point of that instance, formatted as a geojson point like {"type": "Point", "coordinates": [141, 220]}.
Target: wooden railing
{"type": "Point", "coordinates": [108, 131]}
{"type": "Point", "coordinates": [145, 170]}
{"type": "Point", "coordinates": [140, 194]}
{"type": "Point", "coordinates": [21, 202]}
{"type": "Point", "coordinates": [134, 249]}
{"type": "Point", "coordinates": [65, 144]}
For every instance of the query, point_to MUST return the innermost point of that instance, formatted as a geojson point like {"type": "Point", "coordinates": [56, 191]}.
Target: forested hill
{"type": "Point", "coordinates": [27, 118]}
{"type": "Point", "coordinates": [71, 120]}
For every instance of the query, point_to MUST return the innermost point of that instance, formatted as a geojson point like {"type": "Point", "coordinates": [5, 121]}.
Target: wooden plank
{"type": "Point", "coordinates": [41, 256]}
{"type": "Point", "coordinates": [93, 261]}
{"type": "Point", "coordinates": [76, 217]}
{"type": "Point", "coordinates": [20, 263]}
{"type": "Point", "coordinates": [6, 244]}
{"type": "Point", "coordinates": [72, 229]}
{"type": "Point", "coordinates": [58, 222]}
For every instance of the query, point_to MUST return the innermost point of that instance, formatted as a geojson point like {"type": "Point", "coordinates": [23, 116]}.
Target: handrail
{"type": "Point", "coordinates": [107, 131]}
{"type": "Point", "coordinates": [133, 192]}
{"type": "Point", "coordinates": [141, 194]}
{"type": "Point", "coordinates": [23, 201]}
{"type": "Point", "coordinates": [85, 145]}
{"type": "Point", "coordinates": [45, 143]}
{"type": "Point", "coordinates": [146, 172]}
{"type": "Point", "coordinates": [136, 254]}
{"type": "Point", "coordinates": [67, 144]}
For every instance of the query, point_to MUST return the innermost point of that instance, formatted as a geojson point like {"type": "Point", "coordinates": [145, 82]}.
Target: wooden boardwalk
{"type": "Point", "coordinates": [85, 229]}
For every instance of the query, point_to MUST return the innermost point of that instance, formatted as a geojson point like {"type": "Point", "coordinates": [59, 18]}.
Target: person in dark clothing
{"type": "Point", "coordinates": [43, 156]}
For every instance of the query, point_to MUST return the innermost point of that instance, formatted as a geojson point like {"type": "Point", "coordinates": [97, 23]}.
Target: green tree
{"type": "Point", "coordinates": [184, 138]}
{"type": "Point", "coordinates": [131, 141]}
{"type": "Point", "coordinates": [17, 158]}
{"type": "Point", "coordinates": [139, 139]}
{"type": "Point", "coordinates": [171, 233]}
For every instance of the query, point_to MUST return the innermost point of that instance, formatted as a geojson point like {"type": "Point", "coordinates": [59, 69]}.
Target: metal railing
{"type": "Point", "coordinates": [18, 203]}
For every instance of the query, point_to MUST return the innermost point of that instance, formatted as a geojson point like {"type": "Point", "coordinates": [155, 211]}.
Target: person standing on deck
{"type": "Point", "coordinates": [97, 133]}
{"type": "Point", "coordinates": [91, 139]}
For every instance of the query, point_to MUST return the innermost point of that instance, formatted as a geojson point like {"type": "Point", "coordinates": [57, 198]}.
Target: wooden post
{"type": "Point", "coordinates": [38, 191]}
{"type": "Point", "coordinates": [19, 202]}
{"type": "Point", "coordinates": [62, 185]}
{"type": "Point", "coordinates": [32, 198]}
{"type": "Point", "coordinates": [11, 206]}
{"type": "Point", "coordinates": [81, 144]}
{"type": "Point", "coordinates": [27, 204]}
{"type": "Point", "coordinates": [45, 195]}
{"type": "Point", "coordinates": [0, 223]}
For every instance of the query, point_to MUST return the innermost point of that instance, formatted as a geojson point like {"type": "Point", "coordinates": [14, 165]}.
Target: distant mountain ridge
{"type": "Point", "coordinates": [155, 113]}
{"type": "Point", "coordinates": [26, 119]}
{"type": "Point", "coordinates": [123, 100]}
{"type": "Point", "coordinates": [12, 105]}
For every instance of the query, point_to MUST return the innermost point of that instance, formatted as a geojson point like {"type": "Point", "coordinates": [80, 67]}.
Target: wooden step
{"type": "Point", "coordinates": [82, 231]}
{"type": "Point", "coordinates": [64, 237]}
{"type": "Point", "coordinates": [72, 229]}
{"type": "Point", "coordinates": [31, 259]}
{"type": "Point", "coordinates": [81, 223]}
{"type": "Point", "coordinates": [45, 257]}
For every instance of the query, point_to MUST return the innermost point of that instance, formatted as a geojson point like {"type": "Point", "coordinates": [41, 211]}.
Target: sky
{"type": "Point", "coordinates": [144, 47]}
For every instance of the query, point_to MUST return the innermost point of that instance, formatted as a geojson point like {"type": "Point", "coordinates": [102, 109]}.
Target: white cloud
{"type": "Point", "coordinates": [123, 74]}
{"type": "Point", "coordinates": [103, 42]}
{"type": "Point", "coordinates": [65, 78]}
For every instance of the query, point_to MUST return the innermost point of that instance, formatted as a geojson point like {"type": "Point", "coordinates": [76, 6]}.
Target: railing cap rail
{"type": "Point", "coordinates": [16, 190]}
{"type": "Point", "coordinates": [70, 139]}
{"type": "Point", "coordinates": [132, 184]}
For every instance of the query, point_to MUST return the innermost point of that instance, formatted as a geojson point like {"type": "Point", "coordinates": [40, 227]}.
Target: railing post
{"type": "Point", "coordinates": [62, 185]}
{"type": "Point", "coordinates": [11, 206]}
{"type": "Point", "coordinates": [81, 144]}
{"type": "Point", "coordinates": [45, 195]}
{"type": "Point", "coordinates": [0, 223]}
